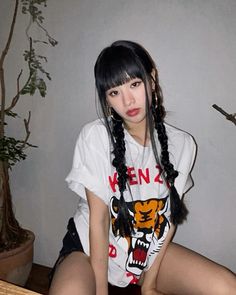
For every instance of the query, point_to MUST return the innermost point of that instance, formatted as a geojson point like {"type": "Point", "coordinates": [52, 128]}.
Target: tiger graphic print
{"type": "Point", "coordinates": [151, 225]}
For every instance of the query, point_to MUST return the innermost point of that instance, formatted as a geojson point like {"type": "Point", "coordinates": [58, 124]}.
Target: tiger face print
{"type": "Point", "coordinates": [149, 222]}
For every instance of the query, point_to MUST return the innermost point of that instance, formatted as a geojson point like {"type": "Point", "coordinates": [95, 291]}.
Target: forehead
{"type": "Point", "coordinates": [126, 81]}
{"type": "Point", "coordinates": [120, 77]}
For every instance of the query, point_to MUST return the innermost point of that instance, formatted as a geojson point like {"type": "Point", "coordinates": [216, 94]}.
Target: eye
{"type": "Point", "coordinates": [136, 83]}
{"type": "Point", "coordinates": [113, 93]}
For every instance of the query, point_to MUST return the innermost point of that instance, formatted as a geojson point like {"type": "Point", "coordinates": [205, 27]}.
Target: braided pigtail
{"type": "Point", "coordinates": [123, 223]}
{"type": "Point", "coordinates": [178, 208]}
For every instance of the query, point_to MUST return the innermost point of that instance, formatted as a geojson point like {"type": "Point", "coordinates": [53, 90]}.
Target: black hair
{"type": "Point", "coordinates": [115, 65]}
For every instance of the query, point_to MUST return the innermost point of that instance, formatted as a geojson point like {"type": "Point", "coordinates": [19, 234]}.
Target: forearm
{"type": "Point", "coordinates": [149, 285]}
{"type": "Point", "coordinates": [98, 238]}
{"type": "Point", "coordinates": [99, 256]}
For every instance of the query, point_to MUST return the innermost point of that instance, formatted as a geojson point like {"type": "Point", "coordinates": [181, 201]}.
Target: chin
{"type": "Point", "coordinates": [137, 120]}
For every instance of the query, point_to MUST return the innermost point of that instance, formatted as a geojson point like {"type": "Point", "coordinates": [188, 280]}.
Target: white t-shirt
{"type": "Point", "coordinates": [148, 202]}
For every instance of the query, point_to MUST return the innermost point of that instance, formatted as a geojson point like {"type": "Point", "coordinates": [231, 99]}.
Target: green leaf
{"type": "Point", "coordinates": [42, 87]}
{"type": "Point", "coordinates": [11, 114]}
{"type": "Point", "coordinates": [11, 150]}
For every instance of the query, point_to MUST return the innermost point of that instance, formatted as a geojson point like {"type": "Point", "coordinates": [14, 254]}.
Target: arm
{"type": "Point", "coordinates": [98, 235]}
{"type": "Point", "coordinates": [149, 285]}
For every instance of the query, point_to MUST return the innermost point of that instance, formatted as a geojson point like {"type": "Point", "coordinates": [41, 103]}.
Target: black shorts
{"type": "Point", "coordinates": [71, 242]}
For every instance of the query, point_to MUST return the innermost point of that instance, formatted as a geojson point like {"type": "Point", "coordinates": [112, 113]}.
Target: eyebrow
{"type": "Point", "coordinates": [126, 81]}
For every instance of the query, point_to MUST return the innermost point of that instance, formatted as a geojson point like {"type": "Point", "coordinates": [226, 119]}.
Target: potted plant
{"type": "Point", "coordinates": [12, 150]}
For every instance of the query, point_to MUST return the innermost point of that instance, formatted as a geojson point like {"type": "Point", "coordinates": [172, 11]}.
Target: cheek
{"type": "Point", "coordinates": [110, 101]}
{"type": "Point", "coordinates": [114, 103]}
{"type": "Point", "coordinates": [144, 100]}
{"type": "Point", "coordinates": [142, 95]}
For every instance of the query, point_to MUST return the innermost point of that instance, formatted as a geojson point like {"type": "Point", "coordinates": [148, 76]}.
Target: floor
{"type": "Point", "coordinates": [38, 279]}
{"type": "Point", "coordinates": [38, 282]}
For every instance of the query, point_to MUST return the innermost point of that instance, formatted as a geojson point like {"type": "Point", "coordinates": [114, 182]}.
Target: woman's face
{"type": "Point", "coordinates": [129, 101]}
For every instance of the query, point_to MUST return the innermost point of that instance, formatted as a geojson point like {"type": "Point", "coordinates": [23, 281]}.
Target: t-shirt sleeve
{"type": "Point", "coordinates": [90, 164]}
{"type": "Point", "coordinates": [183, 163]}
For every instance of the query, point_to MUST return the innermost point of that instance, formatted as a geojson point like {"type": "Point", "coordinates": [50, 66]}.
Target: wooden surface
{"type": "Point", "coordinates": [10, 289]}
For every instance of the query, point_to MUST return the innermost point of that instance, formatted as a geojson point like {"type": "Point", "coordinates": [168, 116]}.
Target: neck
{"type": "Point", "coordinates": [139, 132]}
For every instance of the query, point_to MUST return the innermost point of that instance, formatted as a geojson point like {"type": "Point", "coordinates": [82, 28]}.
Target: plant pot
{"type": "Point", "coordinates": [16, 264]}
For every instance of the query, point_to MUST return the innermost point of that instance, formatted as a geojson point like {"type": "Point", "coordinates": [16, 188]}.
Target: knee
{"type": "Point", "coordinates": [225, 283]}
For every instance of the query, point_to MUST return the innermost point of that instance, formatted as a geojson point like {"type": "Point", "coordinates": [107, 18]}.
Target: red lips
{"type": "Point", "coordinates": [133, 112]}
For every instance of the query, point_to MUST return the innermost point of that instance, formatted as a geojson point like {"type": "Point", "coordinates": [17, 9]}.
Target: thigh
{"type": "Point", "coordinates": [184, 272]}
{"type": "Point", "coordinates": [74, 275]}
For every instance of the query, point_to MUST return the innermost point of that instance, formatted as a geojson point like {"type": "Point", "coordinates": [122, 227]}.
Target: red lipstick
{"type": "Point", "coordinates": [133, 112]}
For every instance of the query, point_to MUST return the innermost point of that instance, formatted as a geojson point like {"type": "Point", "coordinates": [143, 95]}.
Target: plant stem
{"type": "Point", "coordinates": [26, 122]}
{"type": "Point", "coordinates": [5, 50]}
{"type": "Point", "coordinates": [11, 233]}
{"type": "Point", "coordinates": [230, 117]}
{"type": "Point", "coordinates": [3, 102]}
{"type": "Point", "coordinates": [2, 80]}
{"type": "Point", "coordinates": [17, 96]}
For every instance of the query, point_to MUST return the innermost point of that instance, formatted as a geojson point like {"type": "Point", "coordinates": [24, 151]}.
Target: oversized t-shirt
{"type": "Point", "coordinates": [147, 195]}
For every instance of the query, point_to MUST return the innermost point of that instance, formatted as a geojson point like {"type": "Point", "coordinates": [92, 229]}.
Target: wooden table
{"type": "Point", "coordinates": [10, 289]}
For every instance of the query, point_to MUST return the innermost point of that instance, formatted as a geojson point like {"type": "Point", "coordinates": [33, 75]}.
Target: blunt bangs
{"type": "Point", "coordinates": [116, 66]}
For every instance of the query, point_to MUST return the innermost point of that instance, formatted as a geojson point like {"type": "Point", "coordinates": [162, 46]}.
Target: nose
{"type": "Point", "coordinates": [128, 97]}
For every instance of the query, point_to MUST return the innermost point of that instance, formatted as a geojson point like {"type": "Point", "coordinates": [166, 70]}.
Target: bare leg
{"type": "Point", "coordinates": [73, 276]}
{"type": "Point", "coordinates": [184, 272]}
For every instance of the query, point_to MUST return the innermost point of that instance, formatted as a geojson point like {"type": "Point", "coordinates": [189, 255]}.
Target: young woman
{"type": "Point", "coordinates": [131, 170]}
